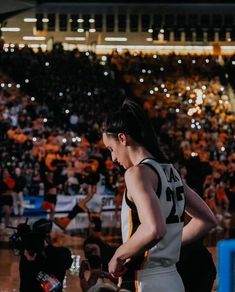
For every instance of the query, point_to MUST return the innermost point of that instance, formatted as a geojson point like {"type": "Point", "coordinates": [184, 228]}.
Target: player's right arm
{"type": "Point", "coordinates": [203, 220]}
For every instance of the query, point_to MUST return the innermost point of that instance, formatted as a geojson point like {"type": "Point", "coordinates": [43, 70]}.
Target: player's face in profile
{"type": "Point", "coordinates": [116, 148]}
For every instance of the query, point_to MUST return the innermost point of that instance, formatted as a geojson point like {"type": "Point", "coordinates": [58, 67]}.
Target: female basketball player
{"type": "Point", "coordinates": [153, 206]}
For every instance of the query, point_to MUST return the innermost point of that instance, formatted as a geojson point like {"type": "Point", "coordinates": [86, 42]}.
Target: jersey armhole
{"type": "Point", "coordinates": [159, 186]}
{"type": "Point", "coordinates": [131, 204]}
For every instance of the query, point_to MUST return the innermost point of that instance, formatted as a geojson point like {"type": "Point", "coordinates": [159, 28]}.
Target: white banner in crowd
{"type": "Point", "coordinates": [98, 203]}
{"type": "Point", "coordinates": [66, 203]}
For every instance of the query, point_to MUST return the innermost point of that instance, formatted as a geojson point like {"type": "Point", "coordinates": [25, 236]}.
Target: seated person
{"type": "Point", "coordinates": [94, 269]}
{"type": "Point", "coordinates": [42, 266]}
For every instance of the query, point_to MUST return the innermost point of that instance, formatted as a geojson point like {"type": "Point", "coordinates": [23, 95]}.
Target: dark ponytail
{"type": "Point", "coordinates": [132, 120]}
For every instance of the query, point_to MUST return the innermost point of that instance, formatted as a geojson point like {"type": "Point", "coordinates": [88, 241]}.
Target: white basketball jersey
{"type": "Point", "coordinates": [172, 200]}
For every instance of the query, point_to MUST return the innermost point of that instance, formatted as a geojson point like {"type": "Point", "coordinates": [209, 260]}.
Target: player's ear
{"type": "Point", "coordinates": [122, 137]}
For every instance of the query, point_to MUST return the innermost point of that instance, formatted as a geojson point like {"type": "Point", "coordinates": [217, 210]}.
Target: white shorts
{"type": "Point", "coordinates": [159, 280]}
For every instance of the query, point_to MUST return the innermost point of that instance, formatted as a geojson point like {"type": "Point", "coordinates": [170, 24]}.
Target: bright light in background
{"type": "Point", "coordinates": [10, 29]}
{"type": "Point", "coordinates": [199, 96]}
{"type": "Point", "coordinates": [191, 111]}
{"type": "Point", "coordinates": [34, 38]}
{"type": "Point", "coordinates": [36, 46]}
{"type": "Point", "coordinates": [75, 38]}
{"type": "Point", "coordinates": [115, 39]}
{"type": "Point", "coordinates": [32, 19]}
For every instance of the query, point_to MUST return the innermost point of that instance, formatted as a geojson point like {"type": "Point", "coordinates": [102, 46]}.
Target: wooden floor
{"type": "Point", "coordinates": [73, 239]}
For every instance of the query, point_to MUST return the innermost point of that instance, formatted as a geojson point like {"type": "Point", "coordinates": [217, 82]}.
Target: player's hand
{"type": "Point", "coordinates": [117, 267]}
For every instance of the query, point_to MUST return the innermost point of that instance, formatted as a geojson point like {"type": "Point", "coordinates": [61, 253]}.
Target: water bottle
{"type": "Point", "coordinates": [48, 282]}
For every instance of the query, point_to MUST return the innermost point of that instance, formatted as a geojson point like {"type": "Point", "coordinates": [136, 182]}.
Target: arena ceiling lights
{"type": "Point", "coordinates": [10, 29]}
{"type": "Point", "coordinates": [115, 39]}
{"type": "Point", "coordinates": [75, 38]}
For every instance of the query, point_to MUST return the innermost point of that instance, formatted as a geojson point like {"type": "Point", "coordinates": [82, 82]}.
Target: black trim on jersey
{"type": "Point", "coordinates": [129, 203]}
{"type": "Point", "coordinates": [159, 186]}
{"type": "Point", "coordinates": [183, 188]}
{"type": "Point", "coordinates": [146, 158]}
{"type": "Point", "coordinates": [128, 279]}
{"type": "Point", "coordinates": [134, 213]}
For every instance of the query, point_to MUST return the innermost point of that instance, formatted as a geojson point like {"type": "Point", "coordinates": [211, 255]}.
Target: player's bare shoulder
{"type": "Point", "coordinates": [141, 172]}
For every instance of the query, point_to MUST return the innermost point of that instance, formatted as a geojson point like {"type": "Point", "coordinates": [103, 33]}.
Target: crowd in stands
{"type": "Point", "coordinates": [52, 105]}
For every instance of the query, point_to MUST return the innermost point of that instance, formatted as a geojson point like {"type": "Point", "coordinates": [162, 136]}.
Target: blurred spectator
{"type": "Point", "coordinates": [18, 200]}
